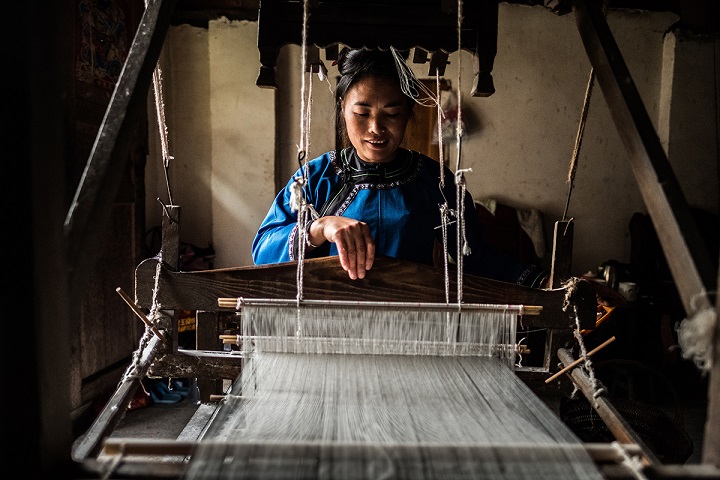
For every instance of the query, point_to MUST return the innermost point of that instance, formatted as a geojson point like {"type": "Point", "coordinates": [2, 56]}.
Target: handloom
{"type": "Point", "coordinates": [176, 289]}
{"type": "Point", "coordinates": [383, 391]}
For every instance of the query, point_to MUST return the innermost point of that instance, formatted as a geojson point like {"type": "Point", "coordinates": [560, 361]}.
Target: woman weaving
{"type": "Point", "coordinates": [374, 197]}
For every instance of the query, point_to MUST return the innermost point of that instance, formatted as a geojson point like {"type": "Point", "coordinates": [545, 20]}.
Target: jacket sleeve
{"type": "Point", "coordinates": [277, 232]}
{"type": "Point", "coordinates": [277, 237]}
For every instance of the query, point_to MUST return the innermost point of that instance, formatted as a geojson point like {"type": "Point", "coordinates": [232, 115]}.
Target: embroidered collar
{"type": "Point", "coordinates": [399, 170]}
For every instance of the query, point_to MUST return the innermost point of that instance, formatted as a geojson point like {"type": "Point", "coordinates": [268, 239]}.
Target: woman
{"type": "Point", "coordinates": [373, 196]}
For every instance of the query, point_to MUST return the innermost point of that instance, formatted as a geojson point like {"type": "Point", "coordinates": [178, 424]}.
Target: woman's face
{"type": "Point", "coordinates": [376, 114]}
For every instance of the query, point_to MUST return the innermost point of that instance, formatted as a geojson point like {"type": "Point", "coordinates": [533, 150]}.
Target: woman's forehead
{"type": "Point", "coordinates": [382, 90]}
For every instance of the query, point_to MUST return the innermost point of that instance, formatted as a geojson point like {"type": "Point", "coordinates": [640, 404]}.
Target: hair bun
{"type": "Point", "coordinates": [342, 59]}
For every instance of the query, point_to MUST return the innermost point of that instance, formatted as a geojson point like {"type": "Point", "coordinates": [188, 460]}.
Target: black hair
{"type": "Point", "coordinates": [355, 64]}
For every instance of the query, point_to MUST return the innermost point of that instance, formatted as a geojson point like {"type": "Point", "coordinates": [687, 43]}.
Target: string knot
{"type": "Point", "coordinates": [297, 197]}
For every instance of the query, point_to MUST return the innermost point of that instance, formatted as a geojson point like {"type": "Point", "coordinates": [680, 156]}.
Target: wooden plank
{"type": "Point", "coordinates": [388, 280]}
{"type": "Point", "coordinates": [170, 255]}
{"type": "Point", "coordinates": [685, 251]}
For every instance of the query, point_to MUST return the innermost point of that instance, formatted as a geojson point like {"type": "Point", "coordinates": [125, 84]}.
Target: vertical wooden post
{"type": "Point", "coordinates": [170, 255]}
{"type": "Point", "coordinates": [561, 253]}
{"type": "Point", "coordinates": [207, 331]}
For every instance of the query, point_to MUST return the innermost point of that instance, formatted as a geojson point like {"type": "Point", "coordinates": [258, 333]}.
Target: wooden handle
{"type": "Point", "coordinates": [140, 314]}
{"type": "Point", "coordinates": [582, 359]}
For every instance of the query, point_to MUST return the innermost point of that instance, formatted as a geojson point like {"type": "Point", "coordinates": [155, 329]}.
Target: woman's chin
{"type": "Point", "coordinates": [378, 155]}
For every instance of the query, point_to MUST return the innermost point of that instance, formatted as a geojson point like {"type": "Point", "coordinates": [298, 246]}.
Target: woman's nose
{"type": "Point", "coordinates": [377, 125]}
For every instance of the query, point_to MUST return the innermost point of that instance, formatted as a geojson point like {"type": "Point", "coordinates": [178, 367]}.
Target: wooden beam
{"type": "Point", "coordinates": [90, 444]}
{"type": "Point", "coordinates": [389, 280]}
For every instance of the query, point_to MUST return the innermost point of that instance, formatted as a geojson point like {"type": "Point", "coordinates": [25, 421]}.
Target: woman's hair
{"type": "Point", "coordinates": [355, 64]}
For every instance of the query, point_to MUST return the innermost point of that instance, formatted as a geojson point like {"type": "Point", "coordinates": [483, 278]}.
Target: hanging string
{"type": "Point", "coordinates": [303, 87]}
{"type": "Point", "coordinates": [162, 125]}
{"type": "Point", "coordinates": [411, 86]}
{"type": "Point", "coordinates": [155, 315]}
{"type": "Point", "coordinates": [297, 200]}
{"type": "Point", "coordinates": [570, 287]}
{"type": "Point", "coordinates": [444, 209]}
{"type": "Point", "coordinates": [579, 136]}
{"type": "Point", "coordinates": [578, 141]}
{"type": "Point", "coordinates": [298, 203]}
{"type": "Point", "coordinates": [440, 116]}
{"type": "Point", "coordinates": [462, 248]}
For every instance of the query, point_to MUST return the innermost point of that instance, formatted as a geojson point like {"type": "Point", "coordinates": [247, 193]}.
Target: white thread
{"type": "Point", "coordinates": [445, 213]}
{"type": "Point", "coordinates": [570, 287]}
{"type": "Point", "coordinates": [370, 409]}
{"type": "Point", "coordinates": [696, 335]}
{"type": "Point", "coordinates": [298, 202]}
{"type": "Point", "coordinates": [410, 85]}
{"type": "Point", "coordinates": [633, 463]}
{"type": "Point", "coordinates": [440, 116]}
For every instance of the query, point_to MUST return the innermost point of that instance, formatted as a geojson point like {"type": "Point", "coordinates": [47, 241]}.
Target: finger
{"type": "Point", "coordinates": [346, 252]}
{"type": "Point", "coordinates": [365, 249]}
{"type": "Point", "coordinates": [369, 248]}
{"type": "Point", "coordinates": [360, 259]}
{"type": "Point", "coordinates": [352, 263]}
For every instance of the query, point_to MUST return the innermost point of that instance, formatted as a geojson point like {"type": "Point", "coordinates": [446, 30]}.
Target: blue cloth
{"type": "Point", "coordinates": [400, 202]}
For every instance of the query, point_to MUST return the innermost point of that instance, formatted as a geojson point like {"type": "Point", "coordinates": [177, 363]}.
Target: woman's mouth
{"type": "Point", "coordinates": [376, 143]}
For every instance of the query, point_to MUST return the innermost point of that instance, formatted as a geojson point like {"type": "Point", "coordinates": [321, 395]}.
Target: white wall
{"type": "Point", "coordinates": [222, 133]}
{"type": "Point", "coordinates": [243, 139]}
{"type": "Point", "coordinates": [519, 141]}
{"type": "Point", "coordinates": [186, 94]}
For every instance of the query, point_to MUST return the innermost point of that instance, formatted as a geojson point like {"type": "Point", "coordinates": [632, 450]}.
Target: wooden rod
{"type": "Point", "coordinates": [140, 314]}
{"type": "Point", "coordinates": [137, 446]}
{"type": "Point", "coordinates": [237, 303]}
{"type": "Point", "coordinates": [581, 359]}
{"type": "Point", "coordinates": [373, 342]}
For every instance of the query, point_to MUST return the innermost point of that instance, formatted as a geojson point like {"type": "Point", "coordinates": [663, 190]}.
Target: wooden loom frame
{"type": "Point", "coordinates": [678, 235]}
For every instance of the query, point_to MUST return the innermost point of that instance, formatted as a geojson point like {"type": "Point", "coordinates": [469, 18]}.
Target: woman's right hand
{"type": "Point", "coordinates": [355, 245]}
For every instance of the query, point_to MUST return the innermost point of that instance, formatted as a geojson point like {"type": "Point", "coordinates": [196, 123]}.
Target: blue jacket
{"type": "Point", "coordinates": [400, 202]}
